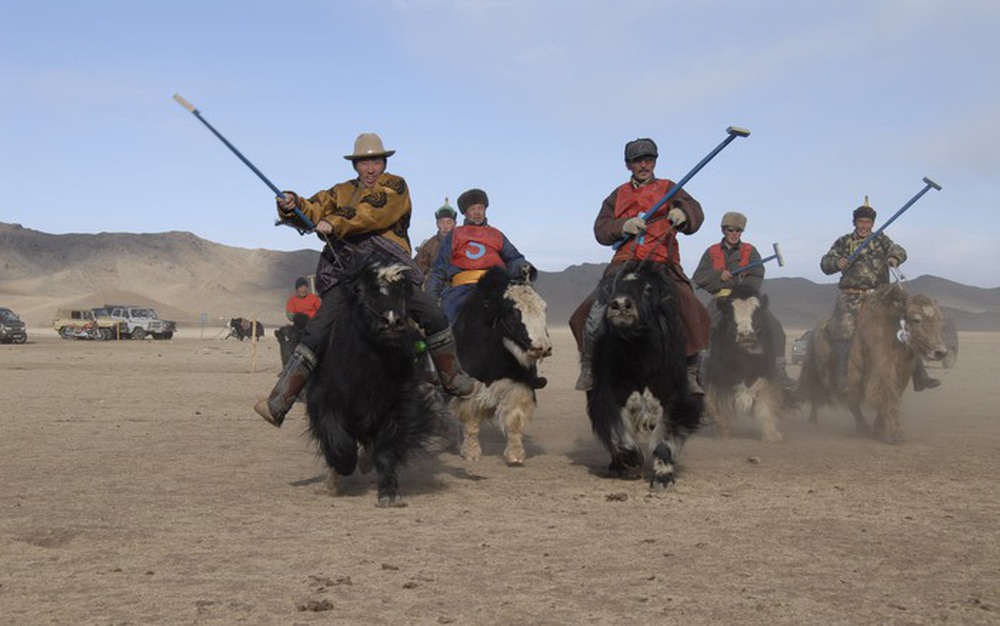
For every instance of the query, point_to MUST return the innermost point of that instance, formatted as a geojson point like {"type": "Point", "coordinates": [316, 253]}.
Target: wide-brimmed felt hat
{"type": "Point", "coordinates": [368, 146]}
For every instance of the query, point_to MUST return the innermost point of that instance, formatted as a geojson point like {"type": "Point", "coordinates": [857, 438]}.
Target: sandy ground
{"type": "Point", "coordinates": [139, 488]}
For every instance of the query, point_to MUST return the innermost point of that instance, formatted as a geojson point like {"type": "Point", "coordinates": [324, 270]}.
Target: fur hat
{"type": "Point", "coordinates": [732, 219]}
{"type": "Point", "coordinates": [301, 282]}
{"type": "Point", "coordinates": [368, 146]}
{"type": "Point", "coordinates": [470, 197]}
{"type": "Point", "coordinates": [445, 211]}
{"type": "Point", "coordinates": [865, 211]}
{"type": "Point", "coordinates": [642, 147]}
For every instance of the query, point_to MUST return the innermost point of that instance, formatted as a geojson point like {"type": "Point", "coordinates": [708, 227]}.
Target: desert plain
{"type": "Point", "coordinates": [138, 487]}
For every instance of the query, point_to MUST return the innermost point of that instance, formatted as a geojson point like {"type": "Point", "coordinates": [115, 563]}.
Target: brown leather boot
{"type": "Point", "coordinates": [291, 381]}
{"type": "Point", "coordinates": [455, 380]}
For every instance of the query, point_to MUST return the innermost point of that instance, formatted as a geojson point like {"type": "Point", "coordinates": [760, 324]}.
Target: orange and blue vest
{"type": "Point", "coordinates": [718, 255]}
{"type": "Point", "coordinates": [660, 242]}
{"type": "Point", "coordinates": [476, 247]}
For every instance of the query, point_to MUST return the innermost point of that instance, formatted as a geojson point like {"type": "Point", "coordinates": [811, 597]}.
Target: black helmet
{"type": "Point", "coordinates": [642, 147]}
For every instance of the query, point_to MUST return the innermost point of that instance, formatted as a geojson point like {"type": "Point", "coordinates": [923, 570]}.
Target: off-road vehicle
{"type": "Point", "coordinates": [85, 324]}
{"type": "Point", "coordinates": [11, 327]}
{"type": "Point", "coordinates": [140, 322]}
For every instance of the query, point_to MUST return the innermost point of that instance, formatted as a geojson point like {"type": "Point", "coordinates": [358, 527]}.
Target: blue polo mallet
{"type": "Point", "coordinates": [929, 184]}
{"type": "Point", "coordinates": [733, 132]}
{"type": "Point", "coordinates": [305, 220]}
{"type": "Point", "coordinates": [776, 255]}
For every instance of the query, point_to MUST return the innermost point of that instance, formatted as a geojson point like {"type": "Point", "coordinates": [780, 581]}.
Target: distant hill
{"type": "Point", "coordinates": [183, 276]}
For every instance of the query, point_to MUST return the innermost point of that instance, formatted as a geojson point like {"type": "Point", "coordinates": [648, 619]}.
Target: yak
{"type": "Point", "coordinates": [640, 377]}
{"type": "Point", "coordinates": [366, 393]}
{"type": "Point", "coordinates": [740, 374]}
{"type": "Point", "coordinates": [893, 329]}
{"type": "Point", "coordinates": [243, 328]}
{"type": "Point", "coordinates": [501, 337]}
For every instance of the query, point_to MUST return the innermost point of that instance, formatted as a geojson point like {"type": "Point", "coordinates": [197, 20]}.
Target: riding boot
{"type": "Point", "coordinates": [694, 375]}
{"type": "Point", "coordinates": [592, 328]}
{"type": "Point", "coordinates": [455, 380]}
{"type": "Point", "coordinates": [784, 379]}
{"type": "Point", "coordinates": [921, 379]}
{"type": "Point", "coordinates": [290, 382]}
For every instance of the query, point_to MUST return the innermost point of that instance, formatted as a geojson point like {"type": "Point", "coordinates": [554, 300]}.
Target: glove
{"type": "Point", "coordinates": [677, 217]}
{"type": "Point", "coordinates": [633, 226]}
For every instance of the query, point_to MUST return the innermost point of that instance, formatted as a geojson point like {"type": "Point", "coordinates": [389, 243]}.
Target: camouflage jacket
{"type": "Point", "coordinates": [870, 269]}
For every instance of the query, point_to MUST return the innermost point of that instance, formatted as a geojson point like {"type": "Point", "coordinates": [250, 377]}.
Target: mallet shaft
{"type": "Point", "coordinates": [732, 133]}
{"type": "Point", "coordinates": [187, 105]}
{"type": "Point", "coordinates": [929, 184]}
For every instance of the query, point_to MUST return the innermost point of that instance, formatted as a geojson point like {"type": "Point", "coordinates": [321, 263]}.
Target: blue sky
{"type": "Point", "coordinates": [531, 100]}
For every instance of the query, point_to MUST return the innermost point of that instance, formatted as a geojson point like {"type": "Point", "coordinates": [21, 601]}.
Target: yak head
{"type": "Point", "coordinates": [741, 319]}
{"type": "Point", "coordinates": [921, 324]}
{"type": "Point", "coordinates": [516, 308]}
{"type": "Point", "coordinates": [382, 294]}
{"type": "Point", "coordinates": [633, 295]}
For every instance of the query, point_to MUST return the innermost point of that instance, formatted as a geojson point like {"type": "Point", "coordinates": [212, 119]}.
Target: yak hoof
{"type": "Point", "coordinates": [661, 483]}
{"type": "Point", "coordinates": [625, 472]}
{"type": "Point", "coordinates": [391, 501]}
{"type": "Point", "coordinates": [515, 456]}
{"type": "Point", "coordinates": [471, 451]}
{"type": "Point", "coordinates": [894, 438]}
{"type": "Point", "coordinates": [772, 437]}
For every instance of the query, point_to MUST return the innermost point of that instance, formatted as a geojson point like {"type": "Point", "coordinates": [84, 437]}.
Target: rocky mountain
{"type": "Point", "coordinates": [184, 276]}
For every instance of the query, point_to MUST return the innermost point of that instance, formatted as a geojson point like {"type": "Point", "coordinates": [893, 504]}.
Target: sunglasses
{"type": "Point", "coordinates": [730, 229]}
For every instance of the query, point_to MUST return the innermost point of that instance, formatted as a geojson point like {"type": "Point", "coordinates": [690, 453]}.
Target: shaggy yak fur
{"type": "Point", "coordinates": [893, 330]}
{"type": "Point", "coordinates": [640, 376]}
{"type": "Point", "coordinates": [740, 377]}
{"type": "Point", "coordinates": [365, 393]}
{"type": "Point", "coordinates": [501, 337]}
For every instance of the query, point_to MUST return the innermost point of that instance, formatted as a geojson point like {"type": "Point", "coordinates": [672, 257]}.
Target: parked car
{"type": "Point", "coordinates": [799, 347]}
{"type": "Point", "coordinates": [84, 324]}
{"type": "Point", "coordinates": [12, 329]}
{"type": "Point", "coordinates": [140, 322]}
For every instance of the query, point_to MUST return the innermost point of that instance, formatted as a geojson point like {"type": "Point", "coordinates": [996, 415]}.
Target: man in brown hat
{"type": "Point", "coordinates": [621, 215]}
{"type": "Point", "coordinates": [444, 219]}
{"type": "Point", "coordinates": [869, 270]}
{"type": "Point", "coordinates": [468, 251]}
{"type": "Point", "coordinates": [362, 220]}
{"type": "Point", "coordinates": [715, 275]}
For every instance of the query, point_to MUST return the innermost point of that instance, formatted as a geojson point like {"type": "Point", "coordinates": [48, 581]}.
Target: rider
{"type": "Point", "coordinates": [715, 275]}
{"type": "Point", "coordinates": [444, 219]}
{"type": "Point", "coordinates": [468, 251]}
{"type": "Point", "coordinates": [621, 216]}
{"type": "Point", "coordinates": [362, 220]}
{"type": "Point", "coordinates": [858, 278]}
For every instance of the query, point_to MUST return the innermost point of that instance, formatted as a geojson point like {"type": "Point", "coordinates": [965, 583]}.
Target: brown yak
{"type": "Point", "coordinates": [892, 331]}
